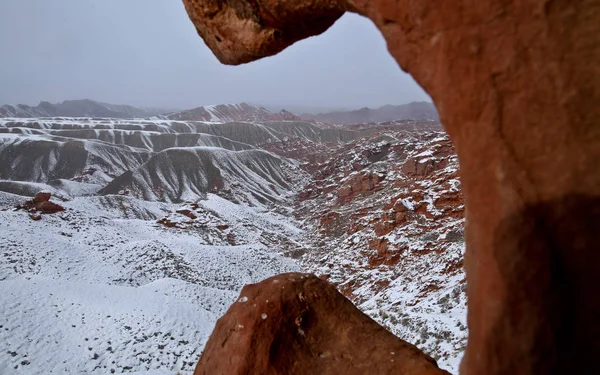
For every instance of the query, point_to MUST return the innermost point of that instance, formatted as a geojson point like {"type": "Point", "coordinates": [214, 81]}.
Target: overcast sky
{"type": "Point", "coordinates": [147, 53]}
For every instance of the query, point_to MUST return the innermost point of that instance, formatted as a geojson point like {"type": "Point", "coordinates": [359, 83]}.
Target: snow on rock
{"type": "Point", "coordinates": [391, 237]}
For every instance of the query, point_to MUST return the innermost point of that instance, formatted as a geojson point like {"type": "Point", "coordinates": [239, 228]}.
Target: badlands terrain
{"type": "Point", "coordinates": [168, 214]}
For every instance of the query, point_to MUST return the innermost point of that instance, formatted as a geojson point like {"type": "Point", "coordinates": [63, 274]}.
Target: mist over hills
{"type": "Point", "coordinates": [414, 110]}
{"type": "Point", "coordinates": [222, 112]}
{"type": "Point", "coordinates": [77, 108]}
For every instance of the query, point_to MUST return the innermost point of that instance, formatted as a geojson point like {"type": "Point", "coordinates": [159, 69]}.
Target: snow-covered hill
{"type": "Point", "coordinates": [163, 160]}
{"type": "Point", "coordinates": [146, 132]}
{"type": "Point", "coordinates": [185, 173]}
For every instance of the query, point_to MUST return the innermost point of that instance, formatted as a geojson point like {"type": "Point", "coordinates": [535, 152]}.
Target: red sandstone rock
{"type": "Point", "coordinates": [167, 223]}
{"type": "Point", "coordinates": [285, 325]}
{"type": "Point", "coordinates": [381, 245]}
{"type": "Point", "coordinates": [334, 224]}
{"type": "Point", "coordinates": [186, 212]}
{"type": "Point", "coordinates": [41, 203]}
{"type": "Point", "coordinates": [359, 183]}
{"type": "Point", "coordinates": [49, 207]}
{"type": "Point", "coordinates": [516, 85]}
{"type": "Point", "coordinates": [423, 166]}
{"type": "Point", "coordinates": [399, 206]}
{"type": "Point", "coordinates": [384, 226]}
{"type": "Point", "coordinates": [42, 197]}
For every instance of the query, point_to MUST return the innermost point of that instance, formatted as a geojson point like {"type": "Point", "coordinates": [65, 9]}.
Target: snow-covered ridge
{"type": "Point", "coordinates": [186, 173]}
{"type": "Point", "coordinates": [255, 133]}
{"type": "Point", "coordinates": [229, 113]}
{"type": "Point", "coordinates": [98, 151]}
{"type": "Point", "coordinates": [414, 110]}
{"type": "Point", "coordinates": [76, 108]}
{"type": "Point", "coordinates": [384, 219]}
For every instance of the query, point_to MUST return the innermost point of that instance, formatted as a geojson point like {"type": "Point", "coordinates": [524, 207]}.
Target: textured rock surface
{"type": "Point", "coordinates": [396, 253]}
{"type": "Point", "coordinates": [242, 31]}
{"type": "Point", "coordinates": [284, 325]}
{"type": "Point", "coordinates": [41, 203]}
{"type": "Point", "coordinates": [516, 86]}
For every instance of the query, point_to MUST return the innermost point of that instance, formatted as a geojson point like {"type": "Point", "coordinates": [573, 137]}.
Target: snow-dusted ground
{"type": "Point", "coordinates": [97, 290]}
{"type": "Point", "coordinates": [118, 284]}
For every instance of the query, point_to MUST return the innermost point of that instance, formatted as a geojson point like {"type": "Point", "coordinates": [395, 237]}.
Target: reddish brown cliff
{"type": "Point", "coordinates": [516, 85]}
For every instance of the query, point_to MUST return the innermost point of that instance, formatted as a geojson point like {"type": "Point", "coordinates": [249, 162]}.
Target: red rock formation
{"type": "Point", "coordinates": [359, 183]}
{"type": "Point", "coordinates": [186, 212]}
{"type": "Point", "coordinates": [49, 207]}
{"type": "Point", "coordinates": [516, 85]}
{"type": "Point", "coordinates": [41, 203]}
{"type": "Point", "coordinates": [285, 325]}
{"type": "Point", "coordinates": [422, 166]}
{"type": "Point", "coordinates": [42, 197]}
{"type": "Point", "coordinates": [370, 241]}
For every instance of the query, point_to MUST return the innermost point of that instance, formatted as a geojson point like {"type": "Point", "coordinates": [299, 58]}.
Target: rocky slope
{"type": "Point", "coordinates": [186, 173]}
{"type": "Point", "coordinates": [384, 220]}
{"type": "Point", "coordinates": [142, 133]}
{"type": "Point", "coordinates": [164, 160]}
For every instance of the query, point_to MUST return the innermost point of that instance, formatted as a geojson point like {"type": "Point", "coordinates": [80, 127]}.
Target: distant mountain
{"type": "Point", "coordinates": [414, 111]}
{"type": "Point", "coordinates": [77, 108]}
{"type": "Point", "coordinates": [231, 113]}
{"type": "Point", "coordinates": [299, 108]}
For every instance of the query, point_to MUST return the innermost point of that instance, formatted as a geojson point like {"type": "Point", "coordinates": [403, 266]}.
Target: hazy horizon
{"type": "Point", "coordinates": [149, 55]}
{"type": "Point", "coordinates": [296, 109]}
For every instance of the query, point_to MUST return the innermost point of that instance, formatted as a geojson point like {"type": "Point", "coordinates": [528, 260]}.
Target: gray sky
{"type": "Point", "coordinates": [147, 53]}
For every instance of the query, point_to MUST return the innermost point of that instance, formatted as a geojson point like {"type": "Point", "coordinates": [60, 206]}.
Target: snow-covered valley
{"type": "Point", "coordinates": [97, 290]}
{"type": "Point", "coordinates": [165, 221]}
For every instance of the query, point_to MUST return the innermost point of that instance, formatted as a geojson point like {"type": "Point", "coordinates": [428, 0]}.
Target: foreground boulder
{"type": "Point", "coordinates": [516, 85]}
{"type": "Point", "coordinates": [299, 324]}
